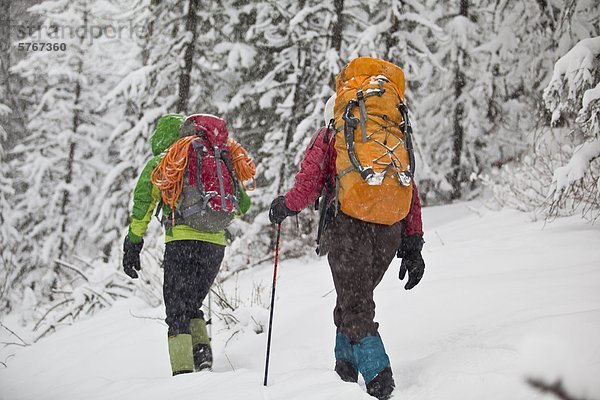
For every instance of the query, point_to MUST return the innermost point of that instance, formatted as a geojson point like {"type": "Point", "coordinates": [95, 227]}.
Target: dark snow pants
{"type": "Point", "coordinates": [359, 253]}
{"type": "Point", "coordinates": [190, 267]}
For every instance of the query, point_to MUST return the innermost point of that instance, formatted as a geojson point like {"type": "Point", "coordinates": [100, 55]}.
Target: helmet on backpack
{"type": "Point", "coordinates": [214, 128]}
{"type": "Point", "coordinates": [328, 113]}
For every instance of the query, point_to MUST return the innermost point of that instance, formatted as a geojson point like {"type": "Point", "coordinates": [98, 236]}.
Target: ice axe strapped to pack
{"type": "Point", "coordinates": [375, 168]}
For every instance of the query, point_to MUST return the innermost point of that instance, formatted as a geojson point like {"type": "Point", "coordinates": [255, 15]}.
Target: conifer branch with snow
{"type": "Point", "coordinates": [574, 93]}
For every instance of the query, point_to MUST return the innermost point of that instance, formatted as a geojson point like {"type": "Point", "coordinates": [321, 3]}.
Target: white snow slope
{"type": "Point", "coordinates": [502, 298]}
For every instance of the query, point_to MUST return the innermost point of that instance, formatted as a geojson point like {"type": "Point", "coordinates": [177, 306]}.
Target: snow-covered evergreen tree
{"type": "Point", "coordinates": [451, 111]}
{"type": "Point", "coordinates": [547, 31]}
{"type": "Point", "coordinates": [11, 125]}
{"type": "Point", "coordinates": [58, 165]}
{"type": "Point", "coordinates": [574, 90]}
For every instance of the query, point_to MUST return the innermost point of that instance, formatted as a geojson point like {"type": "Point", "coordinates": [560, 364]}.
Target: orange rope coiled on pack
{"type": "Point", "coordinates": [242, 164]}
{"type": "Point", "coordinates": [168, 174]}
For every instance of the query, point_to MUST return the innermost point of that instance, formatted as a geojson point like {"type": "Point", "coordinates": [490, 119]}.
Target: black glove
{"type": "Point", "coordinates": [279, 211]}
{"type": "Point", "coordinates": [412, 261]}
{"type": "Point", "coordinates": [131, 257]}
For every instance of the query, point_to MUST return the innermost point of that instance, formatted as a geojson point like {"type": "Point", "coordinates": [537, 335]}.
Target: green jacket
{"type": "Point", "coordinates": [146, 196]}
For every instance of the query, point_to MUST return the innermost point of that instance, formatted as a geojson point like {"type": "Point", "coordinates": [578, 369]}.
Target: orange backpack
{"type": "Point", "coordinates": [375, 162]}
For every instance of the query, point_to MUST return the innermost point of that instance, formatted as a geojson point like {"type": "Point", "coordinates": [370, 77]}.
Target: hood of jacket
{"type": "Point", "coordinates": [166, 132]}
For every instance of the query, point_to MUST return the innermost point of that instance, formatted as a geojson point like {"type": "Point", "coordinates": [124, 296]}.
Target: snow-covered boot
{"type": "Point", "coordinates": [180, 353]}
{"type": "Point", "coordinates": [374, 365]}
{"type": "Point", "coordinates": [345, 364]}
{"type": "Point", "coordinates": [203, 358]}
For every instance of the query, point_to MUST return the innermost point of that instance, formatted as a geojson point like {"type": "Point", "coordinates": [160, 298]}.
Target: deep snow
{"type": "Point", "coordinates": [502, 298]}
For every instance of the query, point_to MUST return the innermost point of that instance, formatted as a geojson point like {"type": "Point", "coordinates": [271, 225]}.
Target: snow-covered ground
{"type": "Point", "coordinates": [502, 299]}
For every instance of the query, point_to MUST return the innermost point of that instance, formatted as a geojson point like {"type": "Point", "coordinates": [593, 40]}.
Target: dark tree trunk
{"type": "Point", "coordinates": [338, 26]}
{"type": "Point", "coordinates": [390, 39]}
{"type": "Point", "coordinates": [188, 58]}
{"type": "Point", "coordinates": [464, 8]}
{"type": "Point", "coordinates": [457, 133]}
{"type": "Point", "coordinates": [458, 117]}
{"type": "Point", "coordinates": [64, 207]}
{"type": "Point", "coordinates": [337, 32]}
{"type": "Point", "coordinates": [5, 77]}
{"type": "Point", "coordinates": [76, 122]}
{"type": "Point", "coordinates": [5, 24]}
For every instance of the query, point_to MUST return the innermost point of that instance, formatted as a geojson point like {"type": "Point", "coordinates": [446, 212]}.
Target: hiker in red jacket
{"type": "Point", "coordinates": [358, 253]}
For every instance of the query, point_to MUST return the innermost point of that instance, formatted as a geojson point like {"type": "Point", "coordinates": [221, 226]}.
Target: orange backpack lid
{"type": "Point", "coordinates": [362, 68]}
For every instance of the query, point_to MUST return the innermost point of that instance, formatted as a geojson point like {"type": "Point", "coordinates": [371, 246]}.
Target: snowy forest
{"type": "Point", "coordinates": [504, 97]}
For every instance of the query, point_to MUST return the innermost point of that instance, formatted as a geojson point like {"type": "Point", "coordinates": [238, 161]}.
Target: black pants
{"type": "Point", "coordinates": [190, 267]}
{"type": "Point", "coordinates": [359, 254]}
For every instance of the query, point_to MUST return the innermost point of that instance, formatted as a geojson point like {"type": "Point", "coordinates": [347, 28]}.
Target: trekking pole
{"type": "Point", "coordinates": [209, 315]}
{"type": "Point", "coordinates": [272, 303]}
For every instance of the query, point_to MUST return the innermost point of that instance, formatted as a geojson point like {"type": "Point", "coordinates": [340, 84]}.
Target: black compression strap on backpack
{"type": "Point", "coordinates": [350, 125]}
{"type": "Point", "coordinates": [220, 176]}
{"type": "Point", "coordinates": [330, 127]}
{"type": "Point", "coordinates": [198, 146]}
{"type": "Point", "coordinates": [408, 143]}
{"type": "Point", "coordinates": [363, 114]}
{"type": "Point", "coordinates": [236, 188]}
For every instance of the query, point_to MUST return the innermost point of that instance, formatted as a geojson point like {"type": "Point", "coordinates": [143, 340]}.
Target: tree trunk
{"type": "Point", "coordinates": [76, 122]}
{"type": "Point", "coordinates": [390, 40]}
{"type": "Point", "coordinates": [338, 26]}
{"type": "Point", "coordinates": [5, 24]}
{"type": "Point", "coordinates": [188, 58]}
{"type": "Point", "coordinates": [337, 31]}
{"type": "Point", "coordinates": [464, 8]}
{"type": "Point", "coordinates": [458, 117]}
{"type": "Point", "coordinates": [5, 64]}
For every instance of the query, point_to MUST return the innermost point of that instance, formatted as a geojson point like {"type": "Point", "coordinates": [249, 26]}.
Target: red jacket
{"type": "Point", "coordinates": [318, 168]}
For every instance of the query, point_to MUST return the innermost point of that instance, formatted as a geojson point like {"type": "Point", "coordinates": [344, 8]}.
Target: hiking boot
{"type": "Point", "coordinates": [382, 385]}
{"type": "Point", "coordinates": [346, 370]}
{"type": "Point", "coordinates": [203, 358]}
{"type": "Point", "coordinates": [175, 373]}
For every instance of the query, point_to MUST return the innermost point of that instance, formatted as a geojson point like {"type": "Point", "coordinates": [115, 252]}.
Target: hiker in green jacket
{"type": "Point", "coordinates": [194, 241]}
